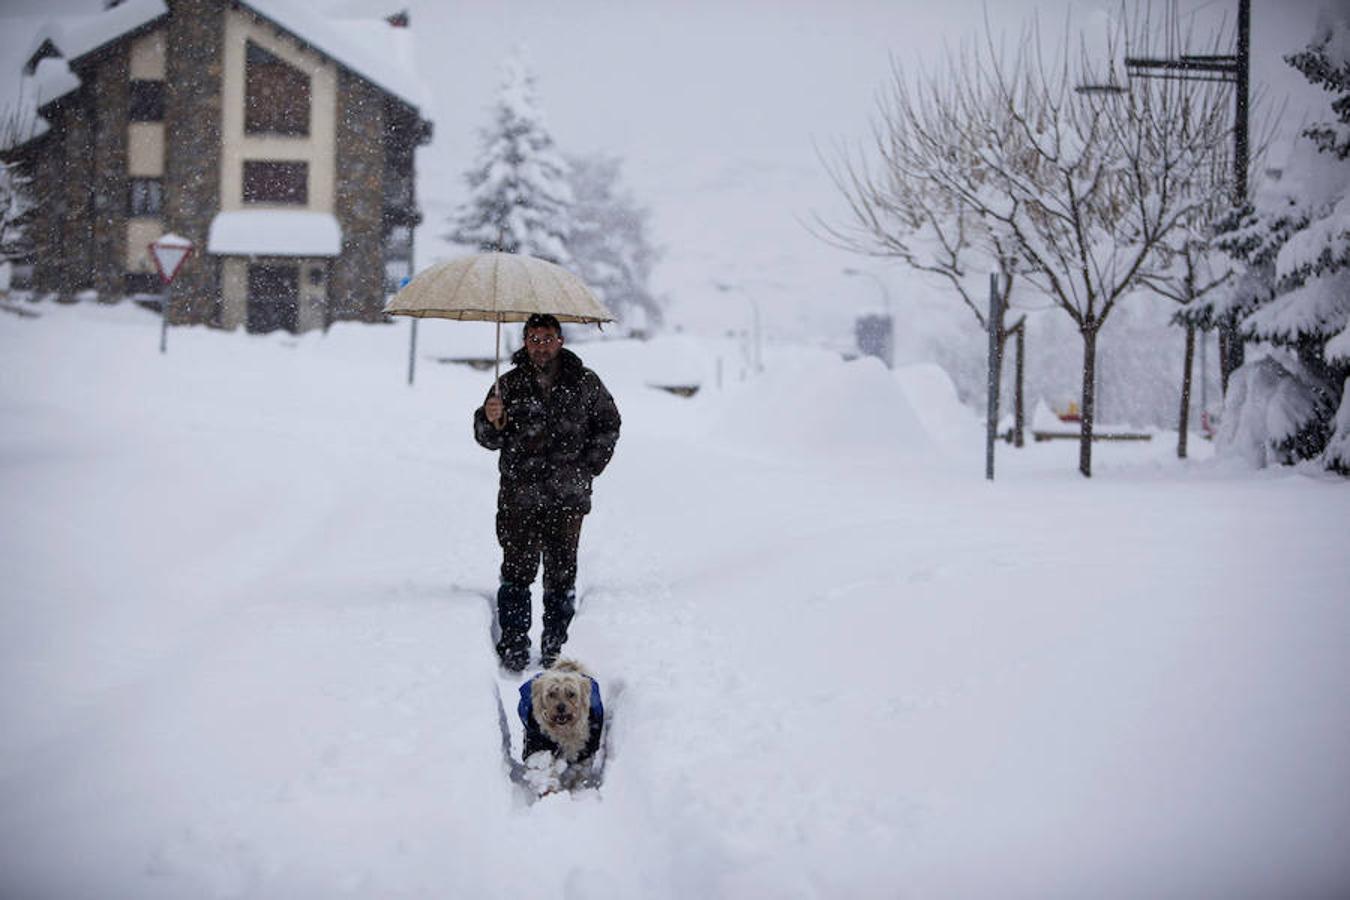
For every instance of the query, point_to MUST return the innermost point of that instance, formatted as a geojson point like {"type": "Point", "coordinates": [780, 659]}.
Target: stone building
{"type": "Point", "coordinates": [279, 142]}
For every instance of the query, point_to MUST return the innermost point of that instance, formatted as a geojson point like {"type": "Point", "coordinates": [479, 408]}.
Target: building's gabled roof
{"type": "Point", "coordinates": [74, 38]}
{"type": "Point", "coordinates": [375, 50]}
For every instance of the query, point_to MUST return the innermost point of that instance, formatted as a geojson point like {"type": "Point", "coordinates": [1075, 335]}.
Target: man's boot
{"type": "Point", "coordinates": [513, 618]}
{"type": "Point", "coordinates": [559, 607]}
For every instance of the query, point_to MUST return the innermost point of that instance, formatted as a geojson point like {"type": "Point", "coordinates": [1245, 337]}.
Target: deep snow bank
{"type": "Point", "coordinates": [814, 405]}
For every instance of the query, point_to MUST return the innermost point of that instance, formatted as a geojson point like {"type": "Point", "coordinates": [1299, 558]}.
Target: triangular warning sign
{"type": "Point", "coordinates": [169, 253]}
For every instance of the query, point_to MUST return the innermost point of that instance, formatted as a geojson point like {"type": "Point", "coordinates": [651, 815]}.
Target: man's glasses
{"type": "Point", "coordinates": [542, 340]}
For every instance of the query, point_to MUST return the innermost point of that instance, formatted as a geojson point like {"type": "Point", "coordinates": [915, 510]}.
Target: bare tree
{"type": "Point", "coordinates": [1190, 267]}
{"type": "Point", "coordinates": [896, 209]}
{"type": "Point", "coordinates": [1082, 187]}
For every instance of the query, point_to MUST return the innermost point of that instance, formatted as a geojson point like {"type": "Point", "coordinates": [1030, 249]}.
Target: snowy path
{"type": "Point", "coordinates": [234, 665]}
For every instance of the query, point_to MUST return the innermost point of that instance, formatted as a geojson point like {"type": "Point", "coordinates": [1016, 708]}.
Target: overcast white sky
{"type": "Point", "coordinates": [716, 108]}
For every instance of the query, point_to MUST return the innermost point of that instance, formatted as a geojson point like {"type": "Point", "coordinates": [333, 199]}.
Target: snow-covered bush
{"type": "Point", "coordinates": [1276, 411]}
{"type": "Point", "coordinates": [1337, 454]}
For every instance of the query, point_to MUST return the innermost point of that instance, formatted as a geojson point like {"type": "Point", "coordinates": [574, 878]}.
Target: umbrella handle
{"type": "Point", "coordinates": [497, 363]}
{"type": "Point", "coordinates": [497, 374]}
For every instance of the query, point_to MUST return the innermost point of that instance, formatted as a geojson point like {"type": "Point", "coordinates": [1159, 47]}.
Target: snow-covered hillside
{"type": "Point", "coordinates": [238, 657]}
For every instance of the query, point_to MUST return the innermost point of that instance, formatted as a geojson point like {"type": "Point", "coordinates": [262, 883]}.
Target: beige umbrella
{"type": "Point", "coordinates": [498, 287]}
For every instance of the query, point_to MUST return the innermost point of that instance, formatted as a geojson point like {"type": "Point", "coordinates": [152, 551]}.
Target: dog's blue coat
{"type": "Point", "coordinates": [536, 740]}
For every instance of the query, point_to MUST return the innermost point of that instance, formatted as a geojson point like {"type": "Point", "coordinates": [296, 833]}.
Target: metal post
{"type": "Point", "coordinates": [1019, 425]}
{"type": "Point", "coordinates": [412, 351]}
{"type": "Point", "coordinates": [164, 321]}
{"type": "Point", "coordinates": [1184, 425]}
{"type": "Point", "coordinates": [412, 340]}
{"type": "Point", "coordinates": [995, 368]}
{"type": "Point", "coordinates": [1243, 76]}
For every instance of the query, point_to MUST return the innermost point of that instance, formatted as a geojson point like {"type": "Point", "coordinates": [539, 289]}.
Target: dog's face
{"type": "Point", "coordinates": [562, 703]}
{"type": "Point", "coordinates": [561, 697]}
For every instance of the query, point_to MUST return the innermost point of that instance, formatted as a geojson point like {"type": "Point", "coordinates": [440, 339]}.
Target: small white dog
{"type": "Point", "coordinates": [563, 719]}
{"type": "Point", "coordinates": [565, 709]}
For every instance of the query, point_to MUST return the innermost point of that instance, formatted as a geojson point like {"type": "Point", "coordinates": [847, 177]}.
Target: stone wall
{"type": "Point", "coordinates": [192, 111]}
{"type": "Point", "coordinates": [356, 286]}
{"type": "Point", "coordinates": [111, 88]}
{"type": "Point", "coordinates": [76, 192]}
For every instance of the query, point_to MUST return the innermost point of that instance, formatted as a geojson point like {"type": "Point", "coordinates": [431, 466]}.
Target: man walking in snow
{"type": "Point", "coordinates": [555, 426]}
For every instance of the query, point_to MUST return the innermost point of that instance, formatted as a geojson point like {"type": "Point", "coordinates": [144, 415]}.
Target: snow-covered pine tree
{"type": "Point", "coordinates": [609, 245]}
{"type": "Point", "coordinates": [16, 190]}
{"type": "Point", "coordinates": [1292, 404]}
{"type": "Point", "coordinates": [519, 198]}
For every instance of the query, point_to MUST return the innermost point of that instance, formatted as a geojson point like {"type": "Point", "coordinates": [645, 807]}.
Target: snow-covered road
{"type": "Point", "coordinates": [234, 662]}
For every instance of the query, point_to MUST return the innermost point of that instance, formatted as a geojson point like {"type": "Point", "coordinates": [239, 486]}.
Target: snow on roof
{"type": "Point", "coordinates": [274, 232]}
{"type": "Point", "coordinates": [53, 79]}
{"type": "Point", "coordinates": [79, 37]}
{"type": "Point", "coordinates": [373, 49]}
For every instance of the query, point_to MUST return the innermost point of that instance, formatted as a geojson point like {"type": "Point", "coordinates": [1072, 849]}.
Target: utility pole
{"type": "Point", "coordinates": [995, 367]}
{"type": "Point", "coordinates": [1234, 69]}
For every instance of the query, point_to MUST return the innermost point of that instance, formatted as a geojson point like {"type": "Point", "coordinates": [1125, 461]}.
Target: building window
{"type": "Point", "coordinates": [398, 252]}
{"type": "Point", "coordinates": [147, 101]}
{"type": "Point", "coordinates": [398, 190]}
{"type": "Point", "coordinates": [276, 182]}
{"type": "Point", "coordinates": [398, 242]}
{"type": "Point", "coordinates": [145, 196]}
{"type": "Point", "coordinates": [276, 95]}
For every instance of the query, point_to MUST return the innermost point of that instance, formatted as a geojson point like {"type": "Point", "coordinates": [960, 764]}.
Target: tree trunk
{"type": "Point", "coordinates": [1184, 426]}
{"type": "Point", "coordinates": [1089, 398]}
{"type": "Point", "coordinates": [1230, 352]}
{"type": "Point", "coordinates": [1019, 414]}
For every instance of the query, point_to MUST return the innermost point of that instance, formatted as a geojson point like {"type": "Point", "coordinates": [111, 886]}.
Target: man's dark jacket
{"type": "Point", "coordinates": [552, 446]}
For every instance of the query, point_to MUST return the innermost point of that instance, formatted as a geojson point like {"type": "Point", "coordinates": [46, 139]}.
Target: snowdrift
{"type": "Point", "coordinates": [820, 407]}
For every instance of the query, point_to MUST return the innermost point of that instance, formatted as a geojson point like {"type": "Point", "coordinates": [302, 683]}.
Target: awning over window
{"type": "Point", "coordinates": [274, 232]}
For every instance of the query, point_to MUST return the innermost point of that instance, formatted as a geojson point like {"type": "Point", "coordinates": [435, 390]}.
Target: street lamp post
{"type": "Point", "coordinates": [886, 305]}
{"type": "Point", "coordinates": [885, 292]}
{"type": "Point", "coordinates": [726, 288]}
